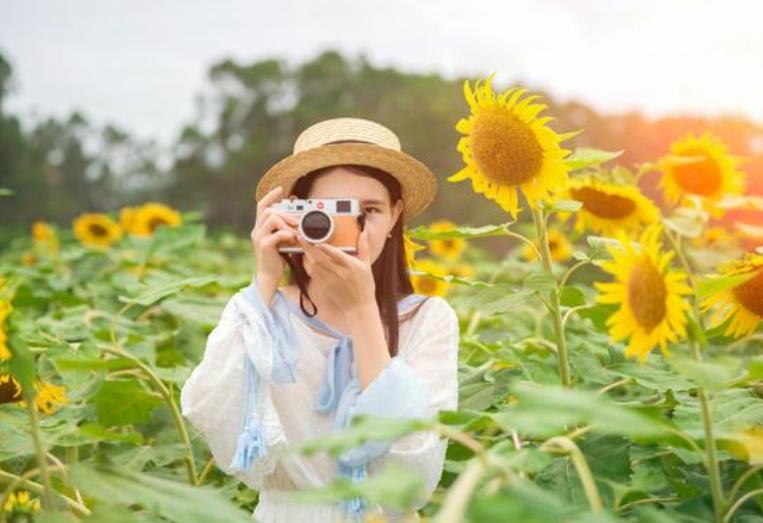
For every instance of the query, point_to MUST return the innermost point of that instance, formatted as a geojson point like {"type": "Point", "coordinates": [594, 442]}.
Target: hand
{"type": "Point", "coordinates": [349, 278]}
{"type": "Point", "coordinates": [270, 229]}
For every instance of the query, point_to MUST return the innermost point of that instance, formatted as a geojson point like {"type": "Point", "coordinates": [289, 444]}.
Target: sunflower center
{"type": "Point", "coordinates": [647, 294]}
{"type": "Point", "coordinates": [505, 148]}
{"type": "Point", "coordinates": [750, 294]}
{"type": "Point", "coordinates": [701, 176]}
{"type": "Point", "coordinates": [448, 244]}
{"type": "Point", "coordinates": [427, 285]}
{"type": "Point", "coordinates": [603, 205]}
{"type": "Point", "coordinates": [98, 230]}
{"type": "Point", "coordinates": [154, 223]}
{"type": "Point", "coordinates": [553, 245]}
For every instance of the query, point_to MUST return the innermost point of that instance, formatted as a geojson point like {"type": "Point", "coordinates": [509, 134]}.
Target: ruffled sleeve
{"type": "Point", "coordinates": [227, 395]}
{"type": "Point", "coordinates": [417, 383]}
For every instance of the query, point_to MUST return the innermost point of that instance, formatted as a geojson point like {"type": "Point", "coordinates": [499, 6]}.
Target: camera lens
{"type": "Point", "coordinates": [316, 225]}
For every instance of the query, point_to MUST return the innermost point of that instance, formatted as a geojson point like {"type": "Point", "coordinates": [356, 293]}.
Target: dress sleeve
{"type": "Point", "coordinates": [417, 383]}
{"type": "Point", "coordinates": [214, 397]}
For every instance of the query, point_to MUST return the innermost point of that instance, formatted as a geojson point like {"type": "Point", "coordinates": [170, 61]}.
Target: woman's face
{"type": "Point", "coordinates": [381, 216]}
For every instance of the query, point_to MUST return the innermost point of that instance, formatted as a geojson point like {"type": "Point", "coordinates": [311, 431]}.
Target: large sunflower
{"type": "Point", "coordinates": [743, 302]}
{"type": "Point", "coordinates": [410, 248]}
{"type": "Point", "coordinates": [700, 166]}
{"type": "Point", "coordinates": [97, 229]}
{"type": "Point", "coordinates": [144, 220]}
{"type": "Point", "coordinates": [609, 207]}
{"type": "Point", "coordinates": [652, 311]}
{"type": "Point", "coordinates": [507, 148]}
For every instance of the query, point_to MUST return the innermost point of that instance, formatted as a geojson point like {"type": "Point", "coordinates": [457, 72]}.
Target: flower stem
{"type": "Point", "coordinates": [47, 493]}
{"type": "Point", "coordinates": [553, 301]}
{"type": "Point", "coordinates": [711, 457]}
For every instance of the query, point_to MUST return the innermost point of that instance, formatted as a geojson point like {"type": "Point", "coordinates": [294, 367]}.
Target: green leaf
{"type": "Point", "coordinates": [425, 233]}
{"type": "Point", "coordinates": [154, 293]}
{"type": "Point", "coordinates": [562, 206]}
{"type": "Point", "coordinates": [170, 499]}
{"type": "Point", "coordinates": [4, 191]}
{"type": "Point", "coordinates": [495, 299]}
{"type": "Point", "coordinates": [572, 297]}
{"type": "Point", "coordinates": [121, 402]}
{"type": "Point", "coordinates": [710, 286]}
{"type": "Point", "coordinates": [589, 157]}
{"type": "Point", "coordinates": [549, 410]}
{"type": "Point", "coordinates": [539, 281]}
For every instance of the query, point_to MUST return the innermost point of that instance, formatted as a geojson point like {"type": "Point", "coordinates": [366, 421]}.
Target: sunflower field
{"type": "Point", "coordinates": [610, 365]}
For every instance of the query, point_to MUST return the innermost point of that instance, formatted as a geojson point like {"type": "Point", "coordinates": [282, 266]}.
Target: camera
{"type": "Point", "coordinates": [336, 221]}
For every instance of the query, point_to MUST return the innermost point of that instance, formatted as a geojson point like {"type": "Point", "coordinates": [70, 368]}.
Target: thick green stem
{"type": "Point", "coordinates": [711, 458]}
{"type": "Point", "coordinates": [177, 418]}
{"type": "Point", "coordinates": [47, 493]}
{"type": "Point", "coordinates": [553, 301]}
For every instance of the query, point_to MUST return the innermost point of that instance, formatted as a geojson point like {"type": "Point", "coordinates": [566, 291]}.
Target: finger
{"type": "Point", "coordinates": [318, 257]}
{"type": "Point", "coordinates": [272, 223]}
{"type": "Point", "coordinates": [333, 254]}
{"type": "Point", "coordinates": [276, 238]}
{"type": "Point", "coordinates": [271, 197]}
{"type": "Point", "coordinates": [364, 247]}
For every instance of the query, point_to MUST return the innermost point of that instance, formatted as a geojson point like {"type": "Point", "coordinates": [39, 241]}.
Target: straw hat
{"type": "Point", "coordinates": [326, 143]}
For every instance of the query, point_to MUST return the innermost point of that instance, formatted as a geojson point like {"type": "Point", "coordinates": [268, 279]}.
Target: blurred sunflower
{"type": "Point", "coordinates": [558, 244]}
{"type": "Point", "coordinates": [126, 216]}
{"type": "Point", "coordinates": [714, 237]}
{"type": "Point", "coordinates": [19, 503]}
{"type": "Point", "coordinates": [28, 259]}
{"type": "Point", "coordinates": [424, 284]}
{"type": "Point", "coordinates": [450, 249]}
{"type": "Point", "coordinates": [144, 220]}
{"type": "Point", "coordinates": [410, 249]}
{"type": "Point", "coordinates": [652, 308]}
{"type": "Point", "coordinates": [608, 207]}
{"type": "Point", "coordinates": [97, 229]}
{"type": "Point", "coordinates": [700, 166]}
{"type": "Point", "coordinates": [462, 270]}
{"type": "Point", "coordinates": [742, 303]}
{"type": "Point", "coordinates": [507, 149]}
{"type": "Point", "coordinates": [5, 310]}
{"type": "Point", "coordinates": [49, 397]}
{"type": "Point", "coordinates": [747, 444]}
{"type": "Point", "coordinates": [10, 388]}
{"type": "Point", "coordinates": [45, 236]}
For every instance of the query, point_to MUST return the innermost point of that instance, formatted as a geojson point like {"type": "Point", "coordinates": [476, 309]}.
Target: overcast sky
{"type": "Point", "coordinates": [139, 63]}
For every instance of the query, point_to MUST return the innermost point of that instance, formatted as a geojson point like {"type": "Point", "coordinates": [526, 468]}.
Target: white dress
{"type": "Point", "coordinates": [213, 399]}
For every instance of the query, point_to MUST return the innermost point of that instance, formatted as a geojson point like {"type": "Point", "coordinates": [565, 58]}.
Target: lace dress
{"type": "Point", "coordinates": [272, 376]}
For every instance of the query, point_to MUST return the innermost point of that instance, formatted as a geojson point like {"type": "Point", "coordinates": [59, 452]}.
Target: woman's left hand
{"type": "Point", "coordinates": [349, 278]}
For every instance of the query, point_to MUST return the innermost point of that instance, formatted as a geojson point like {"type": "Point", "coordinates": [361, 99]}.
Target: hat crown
{"type": "Point", "coordinates": [346, 130]}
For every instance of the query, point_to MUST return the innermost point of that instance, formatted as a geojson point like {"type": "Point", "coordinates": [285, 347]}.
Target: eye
{"type": "Point", "coordinates": [372, 208]}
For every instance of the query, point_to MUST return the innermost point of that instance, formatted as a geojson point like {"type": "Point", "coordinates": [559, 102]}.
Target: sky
{"type": "Point", "coordinates": [140, 64]}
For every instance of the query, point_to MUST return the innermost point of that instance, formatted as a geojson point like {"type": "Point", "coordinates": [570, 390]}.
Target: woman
{"type": "Point", "coordinates": [274, 375]}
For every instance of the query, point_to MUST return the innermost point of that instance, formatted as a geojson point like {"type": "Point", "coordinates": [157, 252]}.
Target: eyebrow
{"type": "Point", "coordinates": [376, 202]}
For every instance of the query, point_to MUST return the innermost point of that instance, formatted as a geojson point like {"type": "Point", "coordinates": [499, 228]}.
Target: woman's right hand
{"type": "Point", "coordinates": [270, 229]}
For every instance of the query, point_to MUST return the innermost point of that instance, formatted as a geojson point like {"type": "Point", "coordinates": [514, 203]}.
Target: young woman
{"type": "Point", "coordinates": [274, 375]}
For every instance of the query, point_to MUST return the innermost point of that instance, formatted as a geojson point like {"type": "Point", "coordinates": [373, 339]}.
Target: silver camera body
{"type": "Point", "coordinates": [336, 221]}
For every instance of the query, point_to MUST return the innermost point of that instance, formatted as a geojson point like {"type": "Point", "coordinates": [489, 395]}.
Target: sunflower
{"type": "Point", "coordinates": [49, 397]}
{"type": "Point", "coordinates": [747, 444]}
{"type": "Point", "coordinates": [700, 166]}
{"type": "Point", "coordinates": [608, 207]}
{"type": "Point", "coordinates": [10, 388]}
{"type": "Point", "coordinates": [742, 303]}
{"type": "Point", "coordinates": [652, 310]}
{"type": "Point", "coordinates": [97, 229]}
{"type": "Point", "coordinates": [5, 310]}
{"type": "Point", "coordinates": [450, 249]}
{"type": "Point", "coordinates": [558, 244]}
{"type": "Point", "coordinates": [20, 503]}
{"type": "Point", "coordinates": [410, 248]}
{"type": "Point", "coordinates": [462, 270]}
{"type": "Point", "coordinates": [144, 220]}
{"type": "Point", "coordinates": [126, 217]}
{"type": "Point", "coordinates": [423, 284]}
{"type": "Point", "coordinates": [507, 148]}
{"type": "Point", "coordinates": [45, 236]}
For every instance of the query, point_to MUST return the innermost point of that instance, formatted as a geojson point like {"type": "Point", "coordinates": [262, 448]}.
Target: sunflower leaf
{"type": "Point", "coordinates": [711, 286]}
{"type": "Point", "coordinates": [562, 206]}
{"type": "Point", "coordinates": [588, 157]}
{"type": "Point", "coordinates": [423, 232]}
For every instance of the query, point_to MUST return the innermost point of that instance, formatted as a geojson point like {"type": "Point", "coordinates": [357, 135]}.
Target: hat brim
{"type": "Point", "coordinates": [418, 182]}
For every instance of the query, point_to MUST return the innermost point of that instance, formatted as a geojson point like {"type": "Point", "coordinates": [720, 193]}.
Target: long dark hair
{"type": "Point", "coordinates": [390, 272]}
